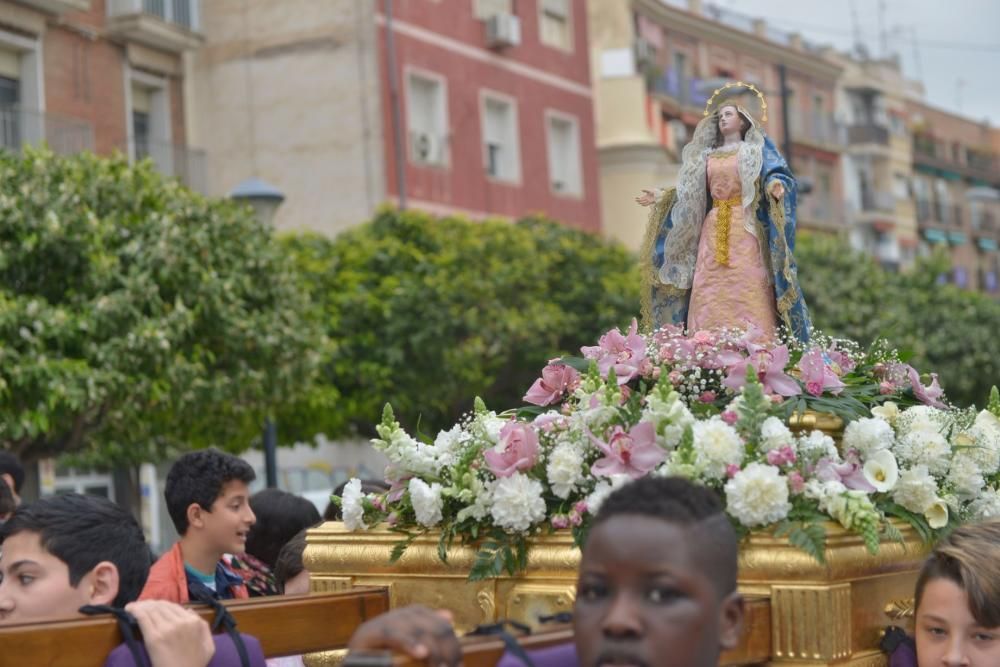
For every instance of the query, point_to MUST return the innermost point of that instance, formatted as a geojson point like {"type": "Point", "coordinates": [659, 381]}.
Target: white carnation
{"type": "Point", "coordinates": [564, 470]}
{"type": "Point", "coordinates": [517, 502]}
{"type": "Point", "coordinates": [427, 502]}
{"type": "Point", "coordinates": [916, 490]}
{"type": "Point", "coordinates": [986, 506]}
{"type": "Point", "coordinates": [925, 446]}
{"type": "Point", "coordinates": [964, 476]}
{"type": "Point", "coordinates": [351, 508]}
{"type": "Point", "coordinates": [868, 435]}
{"type": "Point", "coordinates": [982, 444]}
{"type": "Point", "coordinates": [758, 495]}
{"type": "Point", "coordinates": [818, 445]}
{"type": "Point", "coordinates": [920, 418]}
{"type": "Point", "coordinates": [716, 445]}
{"type": "Point", "coordinates": [603, 490]}
{"type": "Point", "coordinates": [774, 434]}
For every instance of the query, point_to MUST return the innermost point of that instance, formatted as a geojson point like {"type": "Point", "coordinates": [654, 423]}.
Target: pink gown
{"type": "Point", "coordinates": [736, 292]}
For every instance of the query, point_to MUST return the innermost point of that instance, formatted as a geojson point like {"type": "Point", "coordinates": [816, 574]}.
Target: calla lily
{"type": "Point", "coordinates": [937, 514]}
{"type": "Point", "coordinates": [882, 471]}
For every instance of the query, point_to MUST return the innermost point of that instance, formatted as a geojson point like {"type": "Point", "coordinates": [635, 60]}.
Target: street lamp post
{"type": "Point", "coordinates": [265, 199]}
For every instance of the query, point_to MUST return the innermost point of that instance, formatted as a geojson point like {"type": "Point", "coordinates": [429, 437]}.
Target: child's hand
{"type": "Point", "coordinates": [174, 636]}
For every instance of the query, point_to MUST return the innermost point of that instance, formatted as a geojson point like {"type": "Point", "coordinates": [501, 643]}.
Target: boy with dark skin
{"type": "Point", "coordinates": [656, 587]}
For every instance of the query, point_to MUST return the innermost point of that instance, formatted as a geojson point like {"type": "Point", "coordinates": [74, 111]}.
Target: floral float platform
{"type": "Point", "coordinates": [486, 519]}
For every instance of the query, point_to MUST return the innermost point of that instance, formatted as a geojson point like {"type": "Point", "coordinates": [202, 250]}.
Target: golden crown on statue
{"type": "Point", "coordinates": [739, 84]}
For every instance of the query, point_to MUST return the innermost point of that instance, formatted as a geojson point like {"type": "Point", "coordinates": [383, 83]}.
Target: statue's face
{"type": "Point", "coordinates": [729, 120]}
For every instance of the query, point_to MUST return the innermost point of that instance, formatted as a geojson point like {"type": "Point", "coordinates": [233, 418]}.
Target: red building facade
{"type": "Point", "coordinates": [495, 108]}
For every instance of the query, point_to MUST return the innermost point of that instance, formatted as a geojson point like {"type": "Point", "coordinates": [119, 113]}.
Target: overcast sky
{"type": "Point", "coordinates": [955, 53]}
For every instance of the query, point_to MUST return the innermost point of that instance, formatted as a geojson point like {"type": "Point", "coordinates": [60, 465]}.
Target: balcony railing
{"type": "Point", "coordinates": [188, 165]}
{"type": "Point", "coordinates": [184, 13]}
{"type": "Point", "coordinates": [868, 134]}
{"type": "Point", "coordinates": [814, 127]}
{"type": "Point", "coordinates": [20, 127]}
{"type": "Point", "coordinates": [883, 202]}
{"type": "Point", "coordinates": [684, 89]}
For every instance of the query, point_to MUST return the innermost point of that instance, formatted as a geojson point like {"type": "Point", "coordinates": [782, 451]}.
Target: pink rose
{"type": "Point", "coordinates": [886, 387]}
{"type": "Point", "coordinates": [517, 450]}
{"type": "Point", "coordinates": [730, 417]}
{"type": "Point", "coordinates": [731, 470]}
{"type": "Point", "coordinates": [707, 396]}
{"type": "Point", "coordinates": [784, 455]}
{"type": "Point", "coordinates": [560, 521]}
{"type": "Point", "coordinates": [556, 379]}
{"type": "Point", "coordinates": [675, 377]}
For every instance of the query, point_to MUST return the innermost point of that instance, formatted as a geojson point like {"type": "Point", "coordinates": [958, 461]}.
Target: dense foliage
{"type": "Point", "coordinates": [950, 331]}
{"type": "Point", "coordinates": [137, 317]}
{"type": "Point", "coordinates": [427, 314]}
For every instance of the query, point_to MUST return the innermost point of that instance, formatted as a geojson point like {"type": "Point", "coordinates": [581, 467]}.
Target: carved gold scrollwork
{"type": "Point", "coordinates": [898, 610]}
{"type": "Point", "coordinates": [488, 606]}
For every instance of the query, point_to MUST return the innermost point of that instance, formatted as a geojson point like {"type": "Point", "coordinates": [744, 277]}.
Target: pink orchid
{"type": "Point", "coordinates": [847, 473]}
{"type": "Point", "coordinates": [769, 364]}
{"type": "Point", "coordinates": [929, 395]}
{"type": "Point", "coordinates": [397, 481]}
{"type": "Point", "coordinates": [633, 453]}
{"type": "Point", "coordinates": [817, 374]}
{"type": "Point", "coordinates": [840, 362]}
{"type": "Point", "coordinates": [623, 353]}
{"type": "Point", "coordinates": [517, 450]}
{"type": "Point", "coordinates": [556, 379]}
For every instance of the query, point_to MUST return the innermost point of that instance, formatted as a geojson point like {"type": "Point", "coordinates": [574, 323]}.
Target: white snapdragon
{"type": "Point", "coordinates": [448, 446]}
{"type": "Point", "coordinates": [916, 490]}
{"type": "Point", "coordinates": [774, 434]}
{"type": "Point", "coordinates": [427, 502]}
{"type": "Point", "coordinates": [564, 469]}
{"type": "Point", "coordinates": [351, 507]}
{"type": "Point", "coordinates": [517, 502]}
{"type": "Point", "coordinates": [716, 446]}
{"type": "Point", "coordinates": [670, 416]}
{"type": "Point", "coordinates": [758, 495]}
{"type": "Point", "coordinates": [868, 435]}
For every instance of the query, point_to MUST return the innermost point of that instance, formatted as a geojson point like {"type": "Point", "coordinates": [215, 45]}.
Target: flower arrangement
{"type": "Point", "coordinates": [710, 406]}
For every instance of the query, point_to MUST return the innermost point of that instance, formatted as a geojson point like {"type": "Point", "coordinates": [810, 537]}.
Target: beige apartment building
{"type": "Point", "coordinates": [878, 161]}
{"type": "Point", "coordinates": [654, 66]}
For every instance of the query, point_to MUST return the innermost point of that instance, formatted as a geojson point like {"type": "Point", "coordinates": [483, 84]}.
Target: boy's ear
{"type": "Point", "coordinates": [731, 613]}
{"type": "Point", "coordinates": [195, 515]}
{"type": "Point", "coordinates": [102, 583]}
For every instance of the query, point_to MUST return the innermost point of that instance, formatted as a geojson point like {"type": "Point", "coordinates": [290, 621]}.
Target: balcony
{"type": "Point", "coordinates": [20, 127]}
{"type": "Point", "coordinates": [684, 90]}
{"type": "Point", "coordinates": [58, 6]}
{"type": "Point", "coordinates": [878, 202]}
{"type": "Point", "coordinates": [815, 128]}
{"type": "Point", "coordinates": [187, 165]}
{"type": "Point", "coordinates": [868, 134]}
{"type": "Point", "coordinates": [170, 25]}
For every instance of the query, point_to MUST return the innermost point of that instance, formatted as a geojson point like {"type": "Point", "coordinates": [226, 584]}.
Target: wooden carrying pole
{"type": "Point", "coordinates": [284, 625]}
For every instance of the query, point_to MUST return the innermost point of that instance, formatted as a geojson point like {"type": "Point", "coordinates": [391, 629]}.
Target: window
{"type": "Point", "coordinates": [140, 121]}
{"type": "Point", "coordinates": [150, 126]}
{"type": "Point", "coordinates": [563, 135]}
{"type": "Point", "coordinates": [10, 97]}
{"type": "Point", "coordinates": [427, 119]}
{"type": "Point", "coordinates": [555, 27]}
{"type": "Point", "coordinates": [501, 152]}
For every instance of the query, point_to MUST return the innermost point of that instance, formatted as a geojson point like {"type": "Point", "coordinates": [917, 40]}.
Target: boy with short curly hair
{"type": "Point", "coordinates": [208, 499]}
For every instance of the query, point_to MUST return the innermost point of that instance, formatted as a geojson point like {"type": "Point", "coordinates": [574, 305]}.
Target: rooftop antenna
{"type": "Point", "coordinates": [859, 46]}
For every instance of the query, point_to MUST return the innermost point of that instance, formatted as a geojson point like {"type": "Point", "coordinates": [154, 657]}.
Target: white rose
{"type": "Point", "coordinates": [517, 502]}
{"type": "Point", "coordinates": [351, 508]}
{"type": "Point", "coordinates": [881, 470]}
{"type": "Point", "coordinates": [916, 490]}
{"type": "Point", "coordinates": [758, 495]}
{"type": "Point", "coordinates": [427, 502]}
{"type": "Point", "coordinates": [888, 411]}
{"type": "Point", "coordinates": [774, 434]}
{"type": "Point", "coordinates": [868, 435]}
{"type": "Point", "coordinates": [564, 470]}
{"type": "Point", "coordinates": [716, 445]}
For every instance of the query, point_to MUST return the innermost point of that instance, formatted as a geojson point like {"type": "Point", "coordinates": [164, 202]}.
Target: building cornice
{"type": "Point", "coordinates": [688, 23]}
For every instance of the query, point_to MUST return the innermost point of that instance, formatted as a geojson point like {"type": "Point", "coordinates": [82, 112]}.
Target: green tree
{"type": "Point", "coordinates": [949, 331]}
{"type": "Point", "coordinates": [137, 317]}
{"type": "Point", "coordinates": [427, 314]}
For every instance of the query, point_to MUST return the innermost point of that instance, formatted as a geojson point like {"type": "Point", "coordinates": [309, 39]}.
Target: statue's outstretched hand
{"type": "Point", "coordinates": [776, 190]}
{"type": "Point", "coordinates": [646, 198]}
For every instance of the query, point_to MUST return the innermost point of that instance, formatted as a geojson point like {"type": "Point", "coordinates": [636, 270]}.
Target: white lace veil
{"type": "Point", "coordinates": [688, 214]}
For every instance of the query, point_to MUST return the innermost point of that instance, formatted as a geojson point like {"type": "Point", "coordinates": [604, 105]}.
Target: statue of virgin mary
{"type": "Point", "coordinates": [718, 247]}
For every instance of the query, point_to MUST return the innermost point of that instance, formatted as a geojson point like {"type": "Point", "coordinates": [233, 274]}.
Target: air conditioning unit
{"type": "Point", "coordinates": [645, 52]}
{"type": "Point", "coordinates": [503, 30]}
{"type": "Point", "coordinates": [425, 148]}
